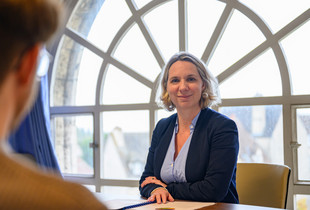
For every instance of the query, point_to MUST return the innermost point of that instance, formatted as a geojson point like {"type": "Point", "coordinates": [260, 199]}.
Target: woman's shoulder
{"type": "Point", "coordinates": [165, 122]}
{"type": "Point", "coordinates": [212, 115]}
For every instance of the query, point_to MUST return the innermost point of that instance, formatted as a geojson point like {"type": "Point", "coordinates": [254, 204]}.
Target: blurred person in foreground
{"type": "Point", "coordinates": [193, 153]}
{"type": "Point", "coordinates": [25, 26]}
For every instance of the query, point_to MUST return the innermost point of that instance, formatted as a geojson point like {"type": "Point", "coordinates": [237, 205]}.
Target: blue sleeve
{"type": "Point", "coordinates": [218, 182]}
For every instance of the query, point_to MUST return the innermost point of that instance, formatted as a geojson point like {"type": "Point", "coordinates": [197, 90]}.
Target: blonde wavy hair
{"type": "Point", "coordinates": [210, 94]}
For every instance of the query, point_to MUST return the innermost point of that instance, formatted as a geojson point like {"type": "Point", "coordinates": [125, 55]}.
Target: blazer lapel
{"type": "Point", "coordinates": [162, 148]}
{"type": "Point", "coordinates": [193, 158]}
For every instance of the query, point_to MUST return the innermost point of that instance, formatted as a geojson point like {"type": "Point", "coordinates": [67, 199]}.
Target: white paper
{"type": "Point", "coordinates": [178, 205]}
{"type": "Point", "coordinates": [120, 203]}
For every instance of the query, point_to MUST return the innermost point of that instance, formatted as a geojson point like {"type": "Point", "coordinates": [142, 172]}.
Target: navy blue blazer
{"type": "Point", "coordinates": [211, 162]}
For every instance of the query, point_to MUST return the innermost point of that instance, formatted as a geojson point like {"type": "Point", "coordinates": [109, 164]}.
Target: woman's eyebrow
{"type": "Point", "coordinates": [192, 75]}
{"type": "Point", "coordinates": [173, 77]}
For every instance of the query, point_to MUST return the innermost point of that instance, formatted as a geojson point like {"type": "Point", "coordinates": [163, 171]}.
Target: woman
{"type": "Point", "coordinates": [193, 154]}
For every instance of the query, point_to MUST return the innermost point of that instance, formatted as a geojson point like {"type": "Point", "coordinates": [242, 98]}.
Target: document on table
{"type": "Point", "coordinates": [178, 205]}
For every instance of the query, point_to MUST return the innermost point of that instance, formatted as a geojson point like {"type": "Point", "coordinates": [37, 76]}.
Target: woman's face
{"type": "Point", "coordinates": [184, 86]}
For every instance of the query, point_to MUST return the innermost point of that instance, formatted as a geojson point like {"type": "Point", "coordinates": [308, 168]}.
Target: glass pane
{"type": "Point", "coordinates": [111, 17]}
{"type": "Point", "coordinates": [240, 37]}
{"type": "Point", "coordinates": [91, 188]}
{"type": "Point", "coordinates": [99, 20]}
{"type": "Point", "coordinates": [302, 202]}
{"type": "Point", "coordinates": [162, 113]}
{"type": "Point", "coordinates": [260, 132]}
{"type": "Point", "coordinates": [135, 52]}
{"type": "Point", "coordinates": [126, 142]}
{"type": "Point", "coordinates": [120, 192]}
{"type": "Point", "coordinates": [163, 24]}
{"type": "Point", "coordinates": [142, 3]}
{"type": "Point", "coordinates": [119, 88]}
{"type": "Point", "coordinates": [259, 78]}
{"type": "Point", "coordinates": [75, 75]}
{"type": "Point", "coordinates": [303, 138]}
{"type": "Point", "coordinates": [297, 50]}
{"type": "Point", "coordinates": [202, 18]}
{"type": "Point", "coordinates": [72, 136]}
{"type": "Point", "coordinates": [277, 13]}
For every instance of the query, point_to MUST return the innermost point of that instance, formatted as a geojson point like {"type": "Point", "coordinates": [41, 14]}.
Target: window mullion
{"type": "Point", "coordinates": [183, 25]}
{"type": "Point", "coordinates": [147, 35]}
{"type": "Point", "coordinates": [217, 34]}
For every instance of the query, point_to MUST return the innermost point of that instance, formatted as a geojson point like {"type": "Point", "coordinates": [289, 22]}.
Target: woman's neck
{"type": "Point", "coordinates": [185, 118]}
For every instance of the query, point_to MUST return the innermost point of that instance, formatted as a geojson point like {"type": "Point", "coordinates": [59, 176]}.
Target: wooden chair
{"type": "Point", "coordinates": [262, 184]}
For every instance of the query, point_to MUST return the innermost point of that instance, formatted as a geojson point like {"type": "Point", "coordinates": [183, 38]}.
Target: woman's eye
{"type": "Point", "coordinates": [191, 79]}
{"type": "Point", "coordinates": [174, 80]}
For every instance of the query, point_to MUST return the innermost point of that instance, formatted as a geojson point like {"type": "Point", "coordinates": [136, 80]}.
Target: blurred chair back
{"type": "Point", "coordinates": [262, 184]}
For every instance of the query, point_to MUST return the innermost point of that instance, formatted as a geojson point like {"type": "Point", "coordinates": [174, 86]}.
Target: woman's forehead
{"type": "Point", "coordinates": [182, 68]}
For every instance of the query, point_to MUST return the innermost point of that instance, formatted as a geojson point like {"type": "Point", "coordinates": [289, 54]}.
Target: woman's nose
{"type": "Point", "coordinates": [183, 85]}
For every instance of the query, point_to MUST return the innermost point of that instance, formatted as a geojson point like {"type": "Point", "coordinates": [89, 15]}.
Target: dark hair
{"type": "Point", "coordinates": [24, 23]}
{"type": "Point", "coordinates": [210, 94]}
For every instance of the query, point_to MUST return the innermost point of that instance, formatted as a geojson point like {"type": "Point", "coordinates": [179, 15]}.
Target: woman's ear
{"type": "Point", "coordinates": [27, 68]}
{"type": "Point", "coordinates": [203, 85]}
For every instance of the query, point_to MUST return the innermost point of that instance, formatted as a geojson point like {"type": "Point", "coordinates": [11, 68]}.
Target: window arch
{"type": "Point", "coordinates": [104, 79]}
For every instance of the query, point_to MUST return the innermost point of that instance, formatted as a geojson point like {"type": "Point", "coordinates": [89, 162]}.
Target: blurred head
{"type": "Point", "coordinates": [25, 26]}
{"type": "Point", "coordinates": [24, 23]}
{"type": "Point", "coordinates": [209, 94]}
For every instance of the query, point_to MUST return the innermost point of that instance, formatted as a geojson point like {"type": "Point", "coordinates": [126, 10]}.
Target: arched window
{"type": "Point", "coordinates": [103, 86]}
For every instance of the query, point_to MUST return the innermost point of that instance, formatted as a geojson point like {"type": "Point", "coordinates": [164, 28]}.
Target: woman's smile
{"type": "Point", "coordinates": [184, 96]}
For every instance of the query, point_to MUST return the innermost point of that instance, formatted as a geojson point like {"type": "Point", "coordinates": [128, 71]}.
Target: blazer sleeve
{"type": "Point", "coordinates": [220, 158]}
{"type": "Point", "coordinates": [149, 166]}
